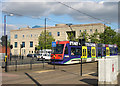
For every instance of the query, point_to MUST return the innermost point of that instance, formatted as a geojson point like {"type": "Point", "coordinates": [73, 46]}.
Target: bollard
{"type": "Point", "coordinates": [22, 59]}
{"type": "Point", "coordinates": [43, 62]}
{"type": "Point", "coordinates": [54, 62]}
{"type": "Point", "coordinates": [16, 65]}
{"type": "Point", "coordinates": [31, 64]}
{"type": "Point", "coordinates": [81, 67]}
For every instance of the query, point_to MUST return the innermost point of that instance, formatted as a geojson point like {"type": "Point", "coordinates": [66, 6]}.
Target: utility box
{"type": "Point", "coordinates": [107, 72]}
{"type": "Point", "coordinates": [118, 63]}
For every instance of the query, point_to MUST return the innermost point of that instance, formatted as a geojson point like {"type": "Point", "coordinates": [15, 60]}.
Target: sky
{"type": "Point", "coordinates": [33, 12]}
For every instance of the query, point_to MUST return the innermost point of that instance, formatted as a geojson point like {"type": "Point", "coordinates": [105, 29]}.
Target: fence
{"type": "Point", "coordinates": [17, 63]}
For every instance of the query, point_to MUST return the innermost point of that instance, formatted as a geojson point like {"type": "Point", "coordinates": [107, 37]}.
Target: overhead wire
{"type": "Point", "coordinates": [82, 12]}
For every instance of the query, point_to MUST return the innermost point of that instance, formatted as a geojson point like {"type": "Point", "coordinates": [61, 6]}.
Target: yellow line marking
{"type": "Point", "coordinates": [43, 71]}
{"type": "Point", "coordinates": [88, 74]}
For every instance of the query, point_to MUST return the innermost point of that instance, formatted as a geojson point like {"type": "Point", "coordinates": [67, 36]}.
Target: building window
{"type": "Point", "coordinates": [16, 36]}
{"type": "Point", "coordinates": [23, 44]}
{"type": "Point", "coordinates": [50, 34]}
{"type": "Point", "coordinates": [80, 30]}
{"type": "Point", "coordinates": [58, 33]}
{"type": "Point", "coordinates": [15, 44]}
{"type": "Point", "coordinates": [23, 36]}
{"type": "Point", "coordinates": [91, 30]}
{"type": "Point", "coordinates": [31, 35]}
{"type": "Point", "coordinates": [31, 44]}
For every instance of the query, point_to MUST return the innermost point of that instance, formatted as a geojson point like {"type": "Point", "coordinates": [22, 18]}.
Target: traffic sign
{"type": "Point", "coordinates": [53, 44]}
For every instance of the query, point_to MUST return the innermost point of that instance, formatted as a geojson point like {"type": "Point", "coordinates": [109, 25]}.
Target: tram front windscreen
{"type": "Point", "coordinates": [58, 49]}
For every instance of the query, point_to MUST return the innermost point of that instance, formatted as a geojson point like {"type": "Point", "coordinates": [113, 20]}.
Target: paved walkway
{"type": "Point", "coordinates": [65, 75]}
{"type": "Point", "coordinates": [69, 74]}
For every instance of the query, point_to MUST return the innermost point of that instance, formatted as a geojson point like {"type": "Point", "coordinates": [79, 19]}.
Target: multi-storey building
{"type": "Point", "coordinates": [29, 36]}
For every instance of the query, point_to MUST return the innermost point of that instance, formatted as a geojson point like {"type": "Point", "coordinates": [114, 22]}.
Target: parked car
{"type": "Point", "coordinates": [32, 55]}
{"type": "Point", "coordinates": [29, 55]}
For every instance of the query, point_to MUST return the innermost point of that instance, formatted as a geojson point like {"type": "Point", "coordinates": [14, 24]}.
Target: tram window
{"type": "Point", "coordinates": [66, 50]}
{"type": "Point", "coordinates": [89, 53]}
{"type": "Point", "coordinates": [73, 51]}
{"type": "Point", "coordinates": [110, 51]}
{"type": "Point", "coordinates": [113, 51]}
{"type": "Point", "coordinates": [78, 51]}
{"type": "Point", "coordinates": [84, 52]}
{"type": "Point", "coordinates": [99, 52]}
{"type": "Point", "coordinates": [104, 52]}
{"type": "Point", "coordinates": [93, 52]}
{"type": "Point", "coordinates": [116, 51]}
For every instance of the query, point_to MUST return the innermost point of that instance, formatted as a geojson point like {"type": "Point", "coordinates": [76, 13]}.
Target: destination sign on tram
{"type": "Point", "coordinates": [72, 43]}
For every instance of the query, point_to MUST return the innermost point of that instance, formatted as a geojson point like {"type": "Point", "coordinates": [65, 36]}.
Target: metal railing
{"type": "Point", "coordinates": [17, 63]}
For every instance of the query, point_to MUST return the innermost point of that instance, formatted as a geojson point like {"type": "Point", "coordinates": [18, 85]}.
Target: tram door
{"type": "Point", "coordinates": [84, 52]}
{"type": "Point", "coordinates": [107, 51]}
{"type": "Point", "coordinates": [93, 52]}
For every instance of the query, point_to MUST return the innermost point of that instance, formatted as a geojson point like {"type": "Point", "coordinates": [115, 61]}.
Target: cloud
{"type": "Point", "coordinates": [8, 28]}
{"type": "Point", "coordinates": [107, 11]}
{"type": "Point", "coordinates": [118, 30]}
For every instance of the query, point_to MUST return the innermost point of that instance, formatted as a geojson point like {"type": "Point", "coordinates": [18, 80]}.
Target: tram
{"type": "Point", "coordinates": [70, 52]}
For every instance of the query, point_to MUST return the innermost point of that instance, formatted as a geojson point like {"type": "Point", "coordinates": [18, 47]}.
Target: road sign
{"type": "Point", "coordinates": [53, 44]}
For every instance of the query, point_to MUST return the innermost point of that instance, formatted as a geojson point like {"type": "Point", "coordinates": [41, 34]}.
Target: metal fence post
{"type": "Point", "coordinates": [43, 62]}
{"type": "Point", "coordinates": [30, 64]}
{"type": "Point", "coordinates": [15, 65]}
{"type": "Point", "coordinates": [22, 59]}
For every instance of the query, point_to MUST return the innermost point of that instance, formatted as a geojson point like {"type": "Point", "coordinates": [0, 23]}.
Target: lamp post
{"type": "Point", "coordinates": [6, 40]}
{"type": "Point", "coordinates": [104, 36]}
{"type": "Point", "coordinates": [45, 36]}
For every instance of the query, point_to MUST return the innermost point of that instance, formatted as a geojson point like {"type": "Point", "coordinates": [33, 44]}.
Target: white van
{"type": "Point", "coordinates": [44, 54]}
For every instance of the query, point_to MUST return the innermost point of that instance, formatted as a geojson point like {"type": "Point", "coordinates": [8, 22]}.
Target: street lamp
{"type": "Point", "coordinates": [5, 22]}
{"type": "Point", "coordinates": [6, 40]}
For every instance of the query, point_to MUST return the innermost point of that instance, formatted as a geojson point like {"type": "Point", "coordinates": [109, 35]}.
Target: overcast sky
{"type": "Point", "coordinates": [58, 13]}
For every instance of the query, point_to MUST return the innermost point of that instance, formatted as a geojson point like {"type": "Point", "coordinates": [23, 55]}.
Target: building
{"type": "Point", "coordinates": [29, 36]}
{"type": "Point", "coordinates": [3, 50]}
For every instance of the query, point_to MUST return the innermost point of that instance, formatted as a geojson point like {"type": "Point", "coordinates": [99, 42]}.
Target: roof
{"type": "Point", "coordinates": [78, 25]}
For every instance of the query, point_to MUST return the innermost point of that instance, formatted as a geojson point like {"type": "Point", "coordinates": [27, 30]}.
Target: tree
{"type": "Point", "coordinates": [95, 37]}
{"type": "Point", "coordinates": [108, 36]}
{"type": "Point", "coordinates": [41, 39]}
{"type": "Point", "coordinates": [118, 41]}
{"type": "Point", "coordinates": [71, 36]}
{"type": "Point", "coordinates": [85, 35]}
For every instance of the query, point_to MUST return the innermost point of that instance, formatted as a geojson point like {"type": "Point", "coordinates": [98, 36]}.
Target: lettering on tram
{"type": "Point", "coordinates": [70, 52]}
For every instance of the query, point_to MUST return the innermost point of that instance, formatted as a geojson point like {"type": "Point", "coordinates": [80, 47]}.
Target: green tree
{"type": "Point", "coordinates": [41, 39]}
{"type": "Point", "coordinates": [85, 35]}
{"type": "Point", "coordinates": [71, 36]}
{"type": "Point", "coordinates": [108, 36]}
{"type": "Point", "coordinates": [8, 43]}
{"type": "Point", "coordinates": [118, 41]}
{"type": "Point", "coordinates": [95, 37]}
